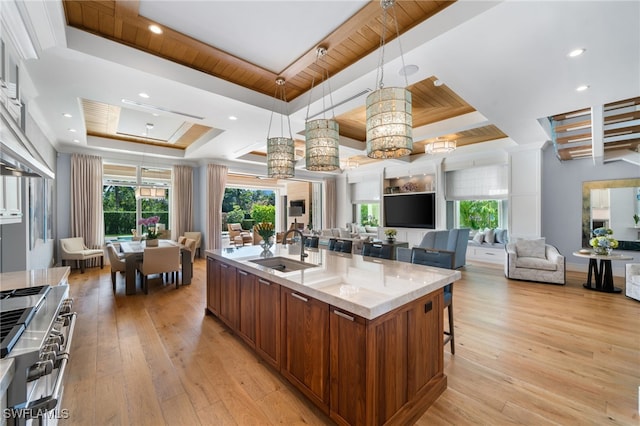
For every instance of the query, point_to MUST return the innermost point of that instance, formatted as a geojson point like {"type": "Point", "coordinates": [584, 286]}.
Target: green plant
{"type": "Point", "coordinates": [636, 218]}
{"type": "Point", "coordinates": [263, 213]}
{"type": "Point", "coordinates": [390, 233]}
{"type": "Point", "coordinates": [236, 215]}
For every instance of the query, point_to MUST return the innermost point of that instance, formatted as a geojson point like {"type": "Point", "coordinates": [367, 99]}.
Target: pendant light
{"type": "Point", "coordinates": [280, 150]}
{"type": "Point", "coordinates": [389, 121]}
{"type": "Point", "coordinates": [322, 146]}
{"type": "Point", "coordinates": [440, 146]}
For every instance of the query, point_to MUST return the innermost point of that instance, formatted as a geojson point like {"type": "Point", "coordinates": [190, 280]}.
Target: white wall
{"type": "Point", "coordinates": [524, 193]}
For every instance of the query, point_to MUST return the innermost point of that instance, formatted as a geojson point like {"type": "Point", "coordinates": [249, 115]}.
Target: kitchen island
{"type": "Point", "coordinates": [362, 338]}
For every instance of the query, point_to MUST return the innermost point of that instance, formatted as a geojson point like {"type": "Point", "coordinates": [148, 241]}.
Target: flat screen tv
{"type": "Point", "coordinates": [410, 211]}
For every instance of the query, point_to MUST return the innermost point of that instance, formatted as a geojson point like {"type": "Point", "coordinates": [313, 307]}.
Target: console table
{"type": "Point", "coordinates": [601, 273]}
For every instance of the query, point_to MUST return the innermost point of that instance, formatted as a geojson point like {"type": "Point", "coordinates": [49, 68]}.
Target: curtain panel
{"type": "Point", "coordinates": [87, 219]}
{"type": "Point", "coordinates": [331, 204]}
{"type": "Point", "coordinates": [181, 200]}
{"type": "Point", "coordinates": [216, 184]}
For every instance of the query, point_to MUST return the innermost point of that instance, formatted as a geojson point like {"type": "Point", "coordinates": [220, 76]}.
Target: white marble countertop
{"type": "Point", "coordinates": [6, 375]}
{"type": "Point", "coordinates": [36, 277]}
{"type": "Point", "coordinates": [364, 286]}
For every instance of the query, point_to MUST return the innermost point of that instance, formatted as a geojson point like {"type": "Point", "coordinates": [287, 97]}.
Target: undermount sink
{"type": "Point", "coordinates": [283, 264]}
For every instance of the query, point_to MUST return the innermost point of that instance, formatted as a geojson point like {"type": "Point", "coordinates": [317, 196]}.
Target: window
{"type": "Point", "coordinates": [478, 197]}
{"type": "Point", "coordinates": [480, 214]}
{"type": "Point", "coordinates": [121, 207]}
{"type": "Point", "coordinates": [365, 196]}
{"type": "Point", "coordinates": [368, 214]}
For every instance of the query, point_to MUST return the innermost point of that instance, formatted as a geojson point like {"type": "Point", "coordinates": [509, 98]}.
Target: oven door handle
{"type": "Point", "coordinates": [50, 402]}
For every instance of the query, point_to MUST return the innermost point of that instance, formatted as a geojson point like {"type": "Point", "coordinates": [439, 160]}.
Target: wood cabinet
{"type": "Point", "coordinates": [213, 286]}
{"type": "Point", "coordinates": [228, 296]}
{"type": "Point", "coordinates": [247, 306]}
{"type": "Point", "coordinates": [268, 321]}
{"type": "Point", "coordinates": [387, 370]}
{"type": "Point", "coordinates": [348, 362]}
{"type": "Point", "coordinates": [305, 345]}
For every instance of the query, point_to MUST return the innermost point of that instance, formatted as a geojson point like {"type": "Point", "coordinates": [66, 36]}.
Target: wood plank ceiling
{"type": "Point", "coordinates": [572, 131]}
{"type": "Point", "coordinates": [359, 36]}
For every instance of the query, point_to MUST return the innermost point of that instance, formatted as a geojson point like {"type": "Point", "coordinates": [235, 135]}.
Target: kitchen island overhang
{"type": "Point", "coordinates": [367, 287]}
{"type": "Point", "coordinates": [361, 338]}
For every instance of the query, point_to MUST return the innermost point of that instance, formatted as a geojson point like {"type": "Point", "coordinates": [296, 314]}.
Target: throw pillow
{"type": "Point", "coordinates": [362, 230]}
{"type": "Point", "coordinates": [344, 233]}
{"type": "Point", "coordinates": [499, 236]}
{"type": "Point", "coordinates": [490, 236]}
{"type": "Point", "coordinates": [479, 237]}
{"type": "Point", "coordinates": [531, 248]}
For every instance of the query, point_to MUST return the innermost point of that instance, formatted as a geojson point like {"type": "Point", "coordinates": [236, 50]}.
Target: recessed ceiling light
{"type": "Point", "coordinates": [576, 52]}
{"type": "Point", "coordinates": [582, 88]}
{"type": "Point", "coordinates": [155, 29]}
{"type": "Point", "coordinates": [438, 83]}
{"type": "Point", "coordinates": [233, 117]}
{"type": "Point", "coordinates": [76, 140]}
{"type": "Point", "coordinates": [409, 70]}
{"type": "Point", "coordinates": [67, 115]}
{"type": "Point", "coordinates": [143, 95]}
{"type": "Point", "coordinates": [72, 130]}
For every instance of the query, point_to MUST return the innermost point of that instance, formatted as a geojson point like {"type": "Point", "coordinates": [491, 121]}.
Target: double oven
{"type": "Point", "coordinates": [36, 331]}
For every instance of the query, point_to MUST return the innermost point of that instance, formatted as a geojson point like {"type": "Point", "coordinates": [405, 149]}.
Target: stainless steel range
{"type": "Point", "coordinates": [36, 329]}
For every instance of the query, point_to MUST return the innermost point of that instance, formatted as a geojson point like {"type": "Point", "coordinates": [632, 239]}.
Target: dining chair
{"type": "Point", "coordinates": [342, 246]}
{"type": "Point", "coordinates": [190, 245]}
{"type": "Point", "coordinates": [311, 242]}
{"type": "Point", "coordinates": [195, 236]}
{"type": "Point", "coordinates": [440, 259]}
{"type": "Point", "coordinates": [158, 260]}
{"type": "Point", "coordinates": [377, 250]}
{"type": "Point", "coordinates": [118, 264]}
{"type": "Point", "coordinates": [181, 240]}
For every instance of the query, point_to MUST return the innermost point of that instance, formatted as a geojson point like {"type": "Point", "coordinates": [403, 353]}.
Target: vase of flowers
{"type": "Point", "coordinates": [602, 241]}
{"type": "Point", "coordinates": [152, 232]}
{"type": "Point", "coordinates": [266, 231]}
{"type": "Point", "coordinates": [391, 234]}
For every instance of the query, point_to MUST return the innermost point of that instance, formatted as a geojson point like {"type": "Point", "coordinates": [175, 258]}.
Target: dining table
{"type": "Point", "coordinates": [134, 252]}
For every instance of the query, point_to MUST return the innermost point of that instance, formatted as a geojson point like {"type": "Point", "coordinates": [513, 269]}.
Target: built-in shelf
{"type": "Point", "coordinates": [417, 184]}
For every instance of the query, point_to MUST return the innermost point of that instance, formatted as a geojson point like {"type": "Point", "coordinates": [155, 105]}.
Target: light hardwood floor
{"type": "Point", "coordinates": [525, 354]}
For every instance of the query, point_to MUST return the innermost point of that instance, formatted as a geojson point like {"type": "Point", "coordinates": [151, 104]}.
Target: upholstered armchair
{"type": "Point", "coordinates": [197, 236]}
{"type": "Point", "coordinates": [534, 260]}
{"type": "Point", "coordinates": [117, 263]}
{"type": "Point", "coordinates": [74, 249]}
{"type": "Point", "coordinates": [235, 230]}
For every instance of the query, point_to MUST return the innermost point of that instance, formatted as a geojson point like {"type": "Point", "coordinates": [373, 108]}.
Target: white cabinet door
{"type": "Point", "coordinates": [11, 199]}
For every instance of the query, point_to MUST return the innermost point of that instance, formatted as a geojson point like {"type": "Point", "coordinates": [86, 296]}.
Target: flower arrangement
{"type": "Point", "coordinates": [150, 223]}
{"type": "Point", "coordinates": [390, 233]}
{"type": "Point", "coordinates": [603, 241]}
{"type": "Point", "coordinates": [409, 187]}
{"type": "Point", "coordinates": [265, 230]}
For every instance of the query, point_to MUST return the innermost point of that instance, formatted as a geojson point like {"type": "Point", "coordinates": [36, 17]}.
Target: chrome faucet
{"type": "Point", "coordinates": [284, 242]}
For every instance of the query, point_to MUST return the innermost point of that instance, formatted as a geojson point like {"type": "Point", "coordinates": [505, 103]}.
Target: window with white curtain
{"type": "Point", "coordinates": [365, 199]}
{"type": "Point", "coordinates": [478, 196]}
